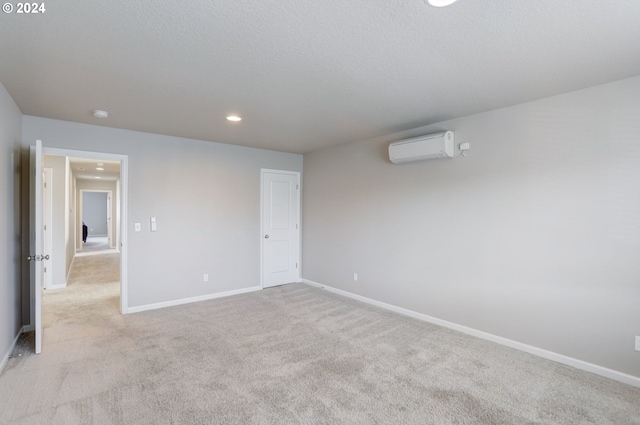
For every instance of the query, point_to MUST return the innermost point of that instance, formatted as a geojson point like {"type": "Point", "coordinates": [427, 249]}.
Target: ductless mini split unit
{"type": "Point", "coordinates": [431, 146]}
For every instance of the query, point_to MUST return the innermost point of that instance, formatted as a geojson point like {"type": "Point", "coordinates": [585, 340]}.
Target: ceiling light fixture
{"type": "Point", "coordinates": [97, 177]}
{"type": "Point", "coordinates": [234, 118]}
{"type": "Point", "coordinates": [99, 168]}
{"type": "Point", "coordinates": [441, 3]}
{"type": "Point", "coordinates": [98, 113]}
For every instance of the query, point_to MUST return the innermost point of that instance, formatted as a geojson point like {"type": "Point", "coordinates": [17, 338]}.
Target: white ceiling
{"type": "Point", "coordinates": [306, 74]}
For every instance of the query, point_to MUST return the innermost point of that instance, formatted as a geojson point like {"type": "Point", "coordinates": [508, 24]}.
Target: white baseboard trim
{"type": "Point", "coordinates": [549, 355]}
{"type": "Point", "coordinates": [54, 287]}
{"type": "Point", "coordinates": [5, 358]}
{"type": "Point", "coordinates": [312, 283]}
{"type": "Point", "coordinates": [172, 303]}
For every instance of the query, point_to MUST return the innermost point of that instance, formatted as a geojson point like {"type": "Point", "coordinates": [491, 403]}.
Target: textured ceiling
{"type": "Point", "coordinates": [306, 74]}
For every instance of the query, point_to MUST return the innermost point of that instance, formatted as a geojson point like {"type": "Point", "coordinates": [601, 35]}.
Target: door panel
{"type": "Point", "coordinates": [47, 236]}
{"type": "Point", "coordinates": [37, 260]}
{"type": "Point", "coordinates": [280, 227]}
{"type": "Point", "coordinates": [279, 256]}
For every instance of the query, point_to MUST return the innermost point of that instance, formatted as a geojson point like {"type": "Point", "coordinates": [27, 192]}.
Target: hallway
{"type": "Point", "coordinates": [93, 290]}
{"type": "Point", "coordinates": [95, 244]}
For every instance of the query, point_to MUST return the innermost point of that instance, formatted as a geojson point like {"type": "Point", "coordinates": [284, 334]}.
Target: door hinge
{"type": "Point", "coordinates": [45, 227]}
{"type": "Point", "coordinates": [296, 187]}
{"type": "Point", "coordinates": [296, 265]}
{"type": "Point", "coordinates": [45, 269]}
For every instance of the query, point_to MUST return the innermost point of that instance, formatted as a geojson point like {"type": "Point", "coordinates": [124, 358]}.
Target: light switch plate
{"type": "Point", "coordinates": [138, 227]}
{"type": "Point", "coordinates": [154, 226]}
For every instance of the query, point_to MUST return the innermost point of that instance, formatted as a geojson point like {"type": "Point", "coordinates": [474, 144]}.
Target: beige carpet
{"type": "Point", "coordinates": [287, 355]}
{"type": "Point", "coordinates": [95, 243]}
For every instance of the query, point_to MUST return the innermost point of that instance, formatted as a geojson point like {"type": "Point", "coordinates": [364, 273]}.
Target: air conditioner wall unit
{"type": "Point", "coordinates": [431, 146]}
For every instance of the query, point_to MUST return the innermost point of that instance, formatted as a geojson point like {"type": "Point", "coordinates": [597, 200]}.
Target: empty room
{"type": "Point", "coordinates": [320, 212]}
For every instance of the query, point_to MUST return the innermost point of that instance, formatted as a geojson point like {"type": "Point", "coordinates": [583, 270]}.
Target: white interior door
{"type": "Point", "coordinates": [280, 227]}
{"type": "Point", "coordinates": [36, 258]}
{"type": "Point", "coordinates": [48, 225]}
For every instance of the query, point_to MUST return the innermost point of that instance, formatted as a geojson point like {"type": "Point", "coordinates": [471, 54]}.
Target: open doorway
{"type": "Point", "coordinates": [91, 269]}
{"type": "Point", "coordinates": [64, 234]}
{"type": "Point", "coordinates": [94, 207]}
{"type": "Point", "coordinates": [98, 218]}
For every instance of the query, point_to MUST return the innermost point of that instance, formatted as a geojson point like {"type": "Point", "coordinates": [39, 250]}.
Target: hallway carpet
{"type": "Point", "coordinates": [95, 243]}
{"type": "Point", "coordinates": [288, 355]}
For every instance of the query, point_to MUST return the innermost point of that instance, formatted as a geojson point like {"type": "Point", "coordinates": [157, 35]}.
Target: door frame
{"type": "Point", "coordinates": [109, 192]}
{"type": "Point", "coordinates": [297, 174]}
{"type": "Point", "coordinates": [124, 190]}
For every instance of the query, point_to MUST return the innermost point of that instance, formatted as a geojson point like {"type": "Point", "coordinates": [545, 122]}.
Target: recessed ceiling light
{"type": "Point", "coordinates": [98, 113]}
{"type": "Point", "coordinates": [99, 168]}
{"type": "Point", "coordinates": [234, 118]}
{"type": "Point", "coordinates": [97, 177]}
{"type": "Point", "coordinates": [441, 3]}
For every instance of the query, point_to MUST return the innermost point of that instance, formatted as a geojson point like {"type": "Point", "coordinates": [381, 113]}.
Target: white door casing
{"type": "Point", "coordinates": [80, 200]}
{"type": "Point", "coordinates": [37, 261]}
{"type": "Point", "coordinates": [280, 227]}
{"type": "Point", "coordinates": [122, 202]}
{"type": "Point", "coordinates": [109, 230]}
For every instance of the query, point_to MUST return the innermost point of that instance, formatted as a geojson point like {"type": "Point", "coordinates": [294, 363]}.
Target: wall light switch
{"type": "Point", "coordinates": [154, 226]}
{"type": "Point", "coordinates": [637, 343]}
{"type": "Point", "coordinates": [138, 227]}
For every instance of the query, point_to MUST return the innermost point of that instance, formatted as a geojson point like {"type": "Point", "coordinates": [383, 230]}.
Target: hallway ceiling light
{"type": "Point", "coordinates": [99, 168]}
{"type": "Point", "coordinates": [99, 113]}
{"type": "Point", "coordinates": [234, 118]}
{"type": "Point", "coordinates": [97, 177]}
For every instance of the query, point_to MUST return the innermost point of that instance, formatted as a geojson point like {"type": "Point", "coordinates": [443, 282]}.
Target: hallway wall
{"type": "Point", "coordinates": [60, 209]}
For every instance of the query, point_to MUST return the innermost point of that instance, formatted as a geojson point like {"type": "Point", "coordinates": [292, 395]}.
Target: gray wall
{"type": "Point", "coordinates": [10, 255]}
{"type": "Point", "coordinates": [206, 197]}
{"type": "Point", "coordinates": [94, 213]}
{"type": "Point", "coordinates": [534, 237]}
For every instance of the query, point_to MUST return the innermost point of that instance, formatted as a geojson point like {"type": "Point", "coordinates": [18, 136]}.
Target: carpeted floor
{"type": "Point", "coordinates": [95, 243]}
{"type": "Point", "coordinates": [287, 355]}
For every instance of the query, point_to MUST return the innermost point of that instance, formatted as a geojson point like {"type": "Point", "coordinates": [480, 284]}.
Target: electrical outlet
{"type": "Point", "coordinates": [355, 277]}
{"type": "Point", "coordinates": [205, 277]}
{"type": "Point", "coordinates": [637, 343]}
